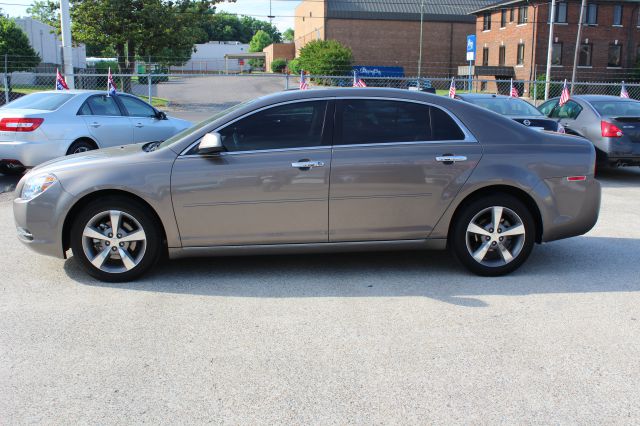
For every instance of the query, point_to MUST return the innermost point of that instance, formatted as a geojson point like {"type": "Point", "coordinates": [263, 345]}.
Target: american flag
{"type": "Point", "coordinates": [452, 88]}
{"type": "Point", "coordinates": [623, 92]}
{"type": "Point", "coordinates": [111, 86]}
{"type": "Point", "coordinates": [358, 82]}
{"type": "Point", "coordinates": [61, 84]}
{"type": "Point", "coordinates": [564, 97]}
{"type": "Point", "coordinates": [303, 81]}
{"type": "Point", "coordinates": [513, 92]}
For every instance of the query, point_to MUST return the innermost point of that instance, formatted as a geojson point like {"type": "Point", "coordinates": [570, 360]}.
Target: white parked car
{"type": "Point", "coordinates": [41, 126]}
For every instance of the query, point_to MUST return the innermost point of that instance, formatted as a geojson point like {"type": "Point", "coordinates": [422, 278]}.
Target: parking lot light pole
{"type": "Point", "coordinates": [67, 54]}
{"type": "Point", "coordinates": [549, 50]}
{"type": "Point", "coordinates": [420, 53]}
{"type": "Point", "coordinates": [575, 54]}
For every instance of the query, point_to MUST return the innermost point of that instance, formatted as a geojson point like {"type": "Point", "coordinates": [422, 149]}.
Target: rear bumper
{"type": "Point", "coordinates": [623, 160]}
{"type": "Point", "coordinates": [569, 208]}
{"type": "Point", "coordinates": [30, 154]}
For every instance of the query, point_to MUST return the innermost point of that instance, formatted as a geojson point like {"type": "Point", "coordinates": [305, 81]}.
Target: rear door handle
{"type": "Point", "coordinates": [450, 159]}
{"type": "Point", "coordinates": [95, 124]}
{"type": "Point", "coordinates": [306, 164]}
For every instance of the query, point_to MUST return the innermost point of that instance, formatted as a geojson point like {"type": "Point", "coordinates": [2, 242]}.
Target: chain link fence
{"type": "Point", "coordinates": [212, 92]}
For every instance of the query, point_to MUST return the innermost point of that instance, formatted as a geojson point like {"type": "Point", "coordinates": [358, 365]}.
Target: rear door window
{"type": "Point", "coordinates": [371, 121]}
{"type": "Point", "coordinates": [548, 106]}
{"type": "Point", "coordinates": [103, 105]}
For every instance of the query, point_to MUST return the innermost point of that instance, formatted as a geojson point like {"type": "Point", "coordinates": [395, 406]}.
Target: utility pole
{"type": "Point", "coordinates": [575, 54]}
{"type": "Point", "coordinates": [67, 54]}
{"type": "Point", "coordinates": [420, 54]}
{"type": "Point", "coordinates": [549, 50]}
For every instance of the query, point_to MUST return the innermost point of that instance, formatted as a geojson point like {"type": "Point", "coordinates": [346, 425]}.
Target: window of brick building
{"type": "Point", "coordinates": [591, 14]}
{"type": "Point", "coordinates": [617, 14]}
{"type": "Point", "coordinates": [486, 22]}
{"type": "Point", "coordinates": [523, 15]}
{"type": "Point", "coordinates": [485, 56]}
{"type": "Point", "coordinates": [511, 13]}
{"type": "Point", "coordinates": [556, 54]}
{"type": "Point", "coordinates": [561, 13]}
{"type": "Point", "coordinates": [501, 55]}
{"type": "Point", "coordinates": [520, 60]}
{"type": "Point", "coordinates": [615, 55]}
{"type": "Point", "coordinates": [503, 18]}
{"type": "Point", "coordinates": [584, 56]}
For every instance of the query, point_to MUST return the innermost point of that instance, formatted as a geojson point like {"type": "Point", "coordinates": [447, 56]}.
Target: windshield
{"type": "Point", "coordinates": [200, 125]}
{"type": "Point", "coordinates": [45, 101]}
{"type": "Point", "coordinates": [506, 106]}
{"type": "Point", "coordinates": [615, 107]}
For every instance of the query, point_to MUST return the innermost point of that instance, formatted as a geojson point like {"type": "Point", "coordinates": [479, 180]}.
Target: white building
{"type": "Point", "coordinates": [48, 44]}
{"type": "Point", "coordinates": [210, 57]}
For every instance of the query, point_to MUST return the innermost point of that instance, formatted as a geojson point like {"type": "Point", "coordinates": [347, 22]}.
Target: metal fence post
{"type": "Point", "coordinates": [149, 86]}
{"type": "Point", "coordinates": [535, 91]}
{"type": "Point", "coordinates": [286, 81]}
{"type": "Point", "coordinates": [6, 77]}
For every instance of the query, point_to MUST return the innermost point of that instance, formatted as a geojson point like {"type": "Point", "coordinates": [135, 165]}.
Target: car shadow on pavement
{"type": "Point", "coordinates": [8, 183]}
{"type": "Point", "coordinates": [619, 177]}
{"type": "Point", "coordinates": [578, 265]}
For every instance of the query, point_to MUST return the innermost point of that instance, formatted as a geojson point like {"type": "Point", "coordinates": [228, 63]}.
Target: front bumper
{"type": "Point", "coordinates": [39, 221]}
{"type": "Point", "coordinates": [30, 153]}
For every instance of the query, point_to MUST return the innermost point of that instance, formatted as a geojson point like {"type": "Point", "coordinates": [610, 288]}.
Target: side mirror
{"type": "Point", "coordinates": [211, 143]}
{"type": "Point", "coordinates": [160, 115]}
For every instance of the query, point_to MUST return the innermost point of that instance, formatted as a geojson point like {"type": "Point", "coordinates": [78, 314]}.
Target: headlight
{"type": "Point", "coordinates": [36, 185]}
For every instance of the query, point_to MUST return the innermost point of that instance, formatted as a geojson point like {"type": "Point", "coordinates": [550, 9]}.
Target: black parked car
{"type": "Point", "coordinates": [515, 108]}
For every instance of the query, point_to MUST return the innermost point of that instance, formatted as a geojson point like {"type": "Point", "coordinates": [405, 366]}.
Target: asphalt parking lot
{"type": "Point", "coordinates": [358, 338]}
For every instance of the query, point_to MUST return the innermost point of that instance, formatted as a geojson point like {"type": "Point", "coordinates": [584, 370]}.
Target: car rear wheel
{"type": "Point", "coordinates": [79, 146]}
{"type": "Point", "coordinates": [11, 170]}
{"type": "Point", "coordinates": [116, 239]}
{"type": "Point", "coordinates": [493, 235]}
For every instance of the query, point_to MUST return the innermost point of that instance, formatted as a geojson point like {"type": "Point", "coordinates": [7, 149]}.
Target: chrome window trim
{"type": "Point", "coordinates": [469, 138]}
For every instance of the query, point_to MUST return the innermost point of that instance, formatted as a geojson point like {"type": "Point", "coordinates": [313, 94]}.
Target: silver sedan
{"type": "Point", "coordinates": [317, 170]}
{"type": "Point", "coordinates": [42, 126]}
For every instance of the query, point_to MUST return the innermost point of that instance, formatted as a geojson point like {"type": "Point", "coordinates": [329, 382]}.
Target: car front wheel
{"type": "Point", "coordinates": [493, 235]}
{"type": "Point", "coordinates": [116, 239]}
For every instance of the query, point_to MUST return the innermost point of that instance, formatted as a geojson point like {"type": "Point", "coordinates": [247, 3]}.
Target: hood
{"type": "Point", "coordinates": [91, 159]}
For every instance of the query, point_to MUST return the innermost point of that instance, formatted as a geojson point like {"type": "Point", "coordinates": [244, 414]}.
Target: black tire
{"type": "Point", "coordinates": [11, 171]}
{"type": "Point", "coordinates": [146, 256]}
{"type": "Point", "coordinates": [81, 145]}
{"type": "Point", "coordinates": [494, 262]}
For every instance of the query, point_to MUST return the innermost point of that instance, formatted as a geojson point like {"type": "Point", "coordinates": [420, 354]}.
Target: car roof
{"type": "Point", "coordinates": [483, 96]}
{"type": "Point", "coordinates": [592, 98]}
{"type": "Point", "coordinates": [77, 92]}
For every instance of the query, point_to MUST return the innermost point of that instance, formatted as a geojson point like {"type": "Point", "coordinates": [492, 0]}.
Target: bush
{"type": "Point", "coordinates": [278, 65]}
{"type": "Point", "coordinates": [325, 57]}
{"type": "Point", "coordinates": [555, 89]}
{"type": "Point", "coordinates": [294, 66]}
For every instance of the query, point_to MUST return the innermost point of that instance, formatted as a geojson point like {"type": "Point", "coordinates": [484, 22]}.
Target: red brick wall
{"type": "Point", "coordinates": [396, 43]}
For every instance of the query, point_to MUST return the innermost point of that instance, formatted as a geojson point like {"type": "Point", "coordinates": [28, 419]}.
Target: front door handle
{"type": "Point", "coordinates": [138, 125]}
{"type": "Point", "coordinates": [450, 159]}
{"type": "Point", "coordinates": [306, 164]}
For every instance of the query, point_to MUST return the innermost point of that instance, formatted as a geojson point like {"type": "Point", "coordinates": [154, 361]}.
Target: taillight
{"type": "Point", "coordinates": [20, 124]}
{"type": "Point", "coordinates": [610, 130]}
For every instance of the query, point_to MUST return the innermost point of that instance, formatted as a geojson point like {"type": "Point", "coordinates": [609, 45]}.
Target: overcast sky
{"type": "Point", "coordinates": [283, 10]}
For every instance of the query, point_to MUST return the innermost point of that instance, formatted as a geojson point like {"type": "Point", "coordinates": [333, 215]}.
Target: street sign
{"type": "Point", "coordinates": [471, 47]}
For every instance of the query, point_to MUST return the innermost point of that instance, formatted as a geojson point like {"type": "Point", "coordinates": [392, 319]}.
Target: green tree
{"type": "Point", "coordinates": [15, 44]}
{"type": "Point", "coordinates": [228, 27]}
{"type": "Point", "coordinates": [259, 41]}
{"type": "Point", "coordinates": [325, 57]}
{"type": "Point", "coordinates": [288, 36]}
{"type": "Point", "coordinates": [163, 31]}
{"type": "Point", "coordinates": [45, 11]}
{"type": "Point", "coordinates": [294, 66]}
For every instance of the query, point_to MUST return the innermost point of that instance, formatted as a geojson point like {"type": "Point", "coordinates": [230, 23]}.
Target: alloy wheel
{"type": "Point", "coordinates": [114, 241]}
{"type": "Point", "coordinates": [495, 236]}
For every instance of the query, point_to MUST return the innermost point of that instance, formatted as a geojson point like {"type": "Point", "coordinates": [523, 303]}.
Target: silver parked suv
{"type": "Point", "coordinates": [317, 170]}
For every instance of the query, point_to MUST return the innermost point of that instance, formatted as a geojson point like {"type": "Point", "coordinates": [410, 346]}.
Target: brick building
{"type": "Point", "coordinates": [513, 36]}
{"type": "Point", "coordinates": [387, 32]}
